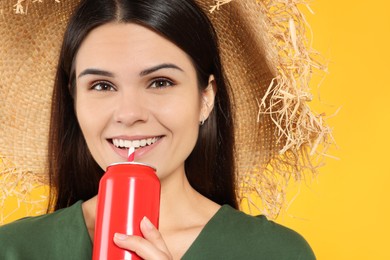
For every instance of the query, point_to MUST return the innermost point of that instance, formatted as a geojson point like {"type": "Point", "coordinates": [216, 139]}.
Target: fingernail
{"type": "Point", "coordinates": [120, 236]}
{"type": "Point", "coordinates": [147, 223]}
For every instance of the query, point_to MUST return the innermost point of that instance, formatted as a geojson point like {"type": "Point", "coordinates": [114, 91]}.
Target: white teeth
{"type": "Point", "coordinates": [115, 142]}
{"type": "Point", "coordinates": [135, 143]}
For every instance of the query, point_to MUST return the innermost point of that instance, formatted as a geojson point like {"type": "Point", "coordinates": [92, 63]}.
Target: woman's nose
{"type": "Point", "coordinates": [130, 109]}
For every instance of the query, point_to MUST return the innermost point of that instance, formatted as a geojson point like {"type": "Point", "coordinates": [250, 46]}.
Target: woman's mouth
{"type": "Point", "coordinates": [140, 143]}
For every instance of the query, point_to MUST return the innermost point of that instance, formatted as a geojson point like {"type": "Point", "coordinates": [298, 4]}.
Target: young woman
{"type": "Point", "coordinates": [146, 74]}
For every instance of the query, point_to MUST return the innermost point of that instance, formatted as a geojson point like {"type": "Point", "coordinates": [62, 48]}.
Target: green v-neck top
{"type": "Point", "coordinates": [230, 234]}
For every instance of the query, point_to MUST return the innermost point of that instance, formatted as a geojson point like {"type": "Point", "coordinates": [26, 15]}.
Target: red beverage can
{"type": "Point", "coordinates": [127, 192]}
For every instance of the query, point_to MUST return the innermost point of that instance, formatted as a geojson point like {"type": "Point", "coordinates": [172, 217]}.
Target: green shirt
{"type": "Point", "coordinates": [230, 234]}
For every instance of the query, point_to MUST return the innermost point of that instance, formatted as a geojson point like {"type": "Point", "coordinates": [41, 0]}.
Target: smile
{"type": "Point", "coordinates": [126, 144]}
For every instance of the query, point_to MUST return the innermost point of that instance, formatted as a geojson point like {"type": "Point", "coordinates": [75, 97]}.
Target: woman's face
{"type": "Point", "coordinates": [135, 88]}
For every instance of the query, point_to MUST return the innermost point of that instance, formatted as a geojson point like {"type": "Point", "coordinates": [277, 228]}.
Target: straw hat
{"type": "Point", "coordinates": [265, 56]}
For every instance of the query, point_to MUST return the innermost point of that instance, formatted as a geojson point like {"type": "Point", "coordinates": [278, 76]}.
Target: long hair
{"type": "Point", "coordinates": [74, 174]}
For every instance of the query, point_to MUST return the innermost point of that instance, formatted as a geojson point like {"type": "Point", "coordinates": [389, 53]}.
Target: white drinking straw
{"type": "Point", "coordinates": [131, 154]}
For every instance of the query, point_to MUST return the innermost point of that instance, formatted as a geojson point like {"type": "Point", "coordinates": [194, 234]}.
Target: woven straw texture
{"type": "Point", "coordinates": [266, 58]}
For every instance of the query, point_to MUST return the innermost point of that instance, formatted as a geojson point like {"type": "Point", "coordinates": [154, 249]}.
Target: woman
{"type": "Point", "coordinates": [146, 74]}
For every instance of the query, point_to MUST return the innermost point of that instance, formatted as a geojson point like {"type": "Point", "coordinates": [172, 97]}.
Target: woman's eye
{"type": "Point", "coordinates": [103, 86]}
{"type": "Point", "coordinates": [161, 83]}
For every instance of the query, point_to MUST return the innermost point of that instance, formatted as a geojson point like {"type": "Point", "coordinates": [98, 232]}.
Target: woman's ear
{"type": "Point", "coordinates": [207, 102]}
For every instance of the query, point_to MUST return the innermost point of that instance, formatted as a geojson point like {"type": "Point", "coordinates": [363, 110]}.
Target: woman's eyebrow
{"type": "Point", "coordinates": [142, 73]}
{"type": "Point", "coordinates": [96, 72]}
{"type": "Point", "coordinates": [158, 67]}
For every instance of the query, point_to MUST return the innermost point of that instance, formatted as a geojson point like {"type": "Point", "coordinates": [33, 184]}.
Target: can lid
{"type": "Point", "coordinates": [133, 163]}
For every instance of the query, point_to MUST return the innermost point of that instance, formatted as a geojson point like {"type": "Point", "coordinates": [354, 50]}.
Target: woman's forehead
{"type": "Point", "coordinates": [133, 45]}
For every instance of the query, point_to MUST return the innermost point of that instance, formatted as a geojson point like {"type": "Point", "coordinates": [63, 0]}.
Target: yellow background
{"type": "Point", "coordinates": [344, 213]}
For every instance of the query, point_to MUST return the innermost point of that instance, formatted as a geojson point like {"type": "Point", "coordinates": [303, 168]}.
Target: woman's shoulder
{"type": "Point", "coordinates": [45, 236]}
{"type": "Point", "coordinates": [234, 233]}
{"type": "Point", "coordinates": [45, 224]}
{"type": "Point", "coordinates": [240, 222]}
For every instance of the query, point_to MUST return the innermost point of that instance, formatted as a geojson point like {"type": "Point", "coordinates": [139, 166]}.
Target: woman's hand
{"type": "Point", "coordinates": [152, 246]}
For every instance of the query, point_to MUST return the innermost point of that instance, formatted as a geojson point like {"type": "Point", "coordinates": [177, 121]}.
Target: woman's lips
{"type": "Point", "coordinates": [141, 145]}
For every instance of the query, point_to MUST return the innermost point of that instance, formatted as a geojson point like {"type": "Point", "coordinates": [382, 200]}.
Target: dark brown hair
{"type": "Point", "coordinates": [74, 174]}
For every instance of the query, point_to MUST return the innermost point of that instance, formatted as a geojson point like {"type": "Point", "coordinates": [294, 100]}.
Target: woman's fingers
{"type": "Point", "coordinates": [150, 247]}
{"type": "Point", "coordinates": [150, 232]}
